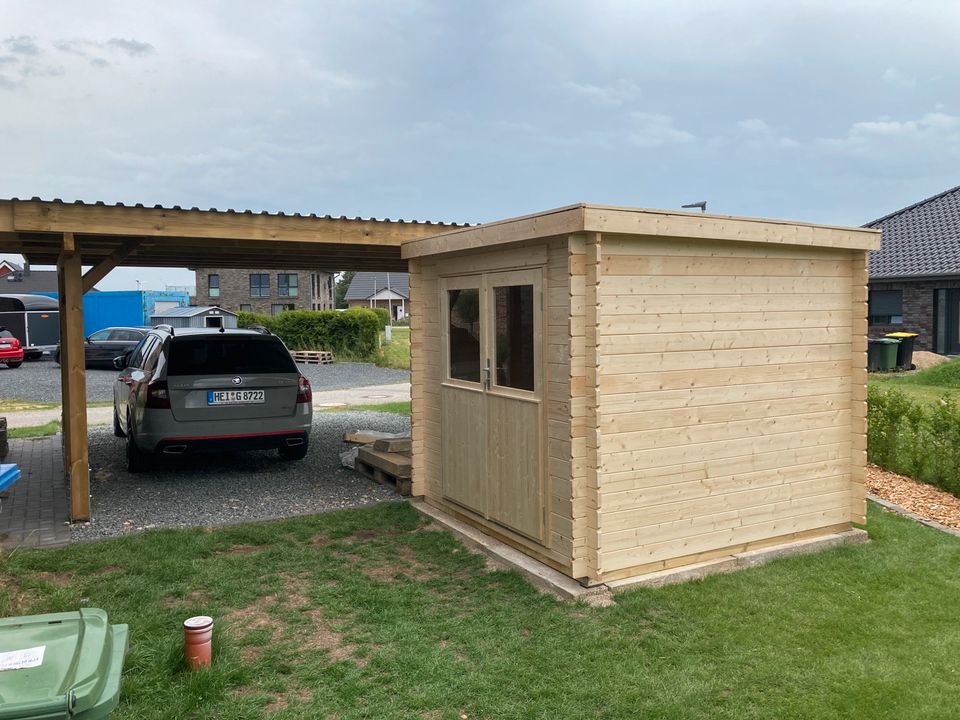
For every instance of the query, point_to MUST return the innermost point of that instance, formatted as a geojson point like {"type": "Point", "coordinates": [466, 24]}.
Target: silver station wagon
{"type": "Point", "coordinates": [186, 390]}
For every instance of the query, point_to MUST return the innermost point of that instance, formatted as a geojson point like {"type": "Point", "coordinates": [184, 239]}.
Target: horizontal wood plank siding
{"type": "Point", "coordinates": [728, 405]}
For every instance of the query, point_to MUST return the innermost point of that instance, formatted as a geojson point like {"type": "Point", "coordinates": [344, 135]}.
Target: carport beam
{"type": "Point", "coordinates": [74, 381]}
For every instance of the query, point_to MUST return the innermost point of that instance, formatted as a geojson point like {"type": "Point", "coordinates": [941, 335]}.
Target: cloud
{"type": "Point", "coordinates": [22, 45]}
{"type": "Point", "coordinates": [615, 95]}
{"type": "Point", "coordinates": [753, 125]}
{"type": "Point", "coordinates": [131, 47]}
{"type": "Point", "coordinates": [894, 77]}
{"type": "Point", "coordinates": [653, 130]}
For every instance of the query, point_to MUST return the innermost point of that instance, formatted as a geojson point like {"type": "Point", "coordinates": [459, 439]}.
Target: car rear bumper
{"type": "Point", "coordinates": [11, 356]}
{"type": "Point", "coordinates": [231, 443]}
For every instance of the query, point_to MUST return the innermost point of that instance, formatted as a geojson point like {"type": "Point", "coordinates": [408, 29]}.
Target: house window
{"type": "Point", "coordinates": [278, 308]}
{"type": "Point", "coordinates": [246, 307]}
{"type": "Point", "coordinates": [259, 284]}
{"type": "Point", "coordinates": [287, 284]}
{"type": "Point", "coordinates": [213, 285]}
{"type": "Point", "coordinates": [886, 307]}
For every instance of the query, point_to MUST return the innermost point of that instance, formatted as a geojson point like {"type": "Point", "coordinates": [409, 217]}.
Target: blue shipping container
{"type": "Point", "coordinates": [131, 308]}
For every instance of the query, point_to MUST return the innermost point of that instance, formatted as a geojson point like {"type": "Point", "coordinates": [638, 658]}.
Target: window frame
{"type": "Point", "coordinates": [213, 285]}
{"type": "Point", "coordinates": [260, 285]}
{"type": "Point", "coordinates": [286, 288]}
{"type": "Point", "coordinates": [885, 318]}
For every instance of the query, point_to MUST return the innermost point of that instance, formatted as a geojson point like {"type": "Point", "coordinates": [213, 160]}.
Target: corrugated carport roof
{"type": "Point", "coordinates": [177, 237]}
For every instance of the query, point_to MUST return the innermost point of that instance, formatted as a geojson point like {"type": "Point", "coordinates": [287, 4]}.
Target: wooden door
{"type": "Point", "coordinates": [491, 399]}
{"type": "Point", "coordinates": [463, 432]}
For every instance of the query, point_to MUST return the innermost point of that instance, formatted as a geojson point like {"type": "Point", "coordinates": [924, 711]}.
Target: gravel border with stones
{"type": "Point", "coordinates": [40, 381]}
{"type": "Point", "coordinates": [223, 489]}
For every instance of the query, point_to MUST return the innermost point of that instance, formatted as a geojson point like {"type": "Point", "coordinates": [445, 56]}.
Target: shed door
{"type": "Point", "coordinates": [491, 399]}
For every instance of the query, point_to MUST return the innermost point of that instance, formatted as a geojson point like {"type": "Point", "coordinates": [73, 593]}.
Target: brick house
{"type": "Point", "coordinates": [264, 291]}
{"type": "Point", "coordinates": [390, 291]}
{"type": "Point", "coordinates": [915, 275]}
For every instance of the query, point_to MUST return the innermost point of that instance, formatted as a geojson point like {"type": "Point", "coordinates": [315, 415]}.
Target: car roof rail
{"type": "Point", "coordinates": [260, 329]}
{"type": "Point", "coordinates": [164, 326]}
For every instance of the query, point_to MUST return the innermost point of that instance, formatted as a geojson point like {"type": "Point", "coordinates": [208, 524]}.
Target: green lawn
{"type": "Point", "coordinates": [397, 353]}
{"type": "Point", "coordinates": [926, 394]}
{"type": "Point", "coordinates": [34, 431]}
{"type": "Point", "coordinates": [400, 407]}
{"type": "Point", "coordinates": [371, 614]}
{"type": "Point", "coordinates": [8, 405]}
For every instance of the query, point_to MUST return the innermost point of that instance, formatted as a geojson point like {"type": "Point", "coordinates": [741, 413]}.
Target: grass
{"type": "Point", "coordinates": [34, 431]}
{"type": "Point", "coordinates": [369, 614]}
{"type": "Point", "coordinates": [926, 386]}
{"type": "Point", "coordinates": [8, 405]}
{"type": "Point", "coordinates": [397, 353]}
{"type": "Point", "coordinates": [400, 407]}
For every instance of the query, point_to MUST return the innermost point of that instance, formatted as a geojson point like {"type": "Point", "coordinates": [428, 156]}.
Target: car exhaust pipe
{"type": "Point", "coordinates": [174, 449]}
{"type": "Point", "coordinates": [293, 442]}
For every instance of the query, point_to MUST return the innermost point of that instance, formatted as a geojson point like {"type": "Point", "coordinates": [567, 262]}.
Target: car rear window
{"type": "Point", "coordinates": [226, 355]}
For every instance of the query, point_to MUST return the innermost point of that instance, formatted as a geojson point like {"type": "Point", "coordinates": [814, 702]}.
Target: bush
{"type": "Point", "coordinates": [351, 335]}
{"type": "Point", "coordinates": [912, 439]}
{"type": "Point", "coordinates": [383, 315]}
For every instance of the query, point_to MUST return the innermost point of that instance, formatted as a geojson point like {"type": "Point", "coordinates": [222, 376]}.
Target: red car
{"type": "Point", "coordinates": [11, 353]}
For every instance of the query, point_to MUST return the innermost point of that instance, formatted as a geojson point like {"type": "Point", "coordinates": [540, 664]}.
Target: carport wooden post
{"type": "Point", "coordinates": [73, 378]}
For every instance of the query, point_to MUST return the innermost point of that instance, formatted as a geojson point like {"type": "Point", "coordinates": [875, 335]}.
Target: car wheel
{"type": "Point", "coordinates": [297, 452]}
{"type": "Point", "coordinates": [137, 459]}
{"type": "Point", "coordinates": [14, 365]}
{"type": "Point", "coordinates": [117, 430]}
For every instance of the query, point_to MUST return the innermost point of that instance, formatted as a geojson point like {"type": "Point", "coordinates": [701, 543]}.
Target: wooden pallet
{"type": "Point", "coordinates": [313, 357]}
{"type": "Point", "coordinates": [391, 469]}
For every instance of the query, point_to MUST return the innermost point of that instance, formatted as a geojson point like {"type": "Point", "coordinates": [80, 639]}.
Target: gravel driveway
{"type": "Point", "coordinates": [207, 490]}
{"type": "Point", "coordinates": [40, 381]}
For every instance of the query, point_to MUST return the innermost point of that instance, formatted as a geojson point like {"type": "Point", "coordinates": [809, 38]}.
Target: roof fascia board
{"type": "Point", "coordinates": [560, 221]}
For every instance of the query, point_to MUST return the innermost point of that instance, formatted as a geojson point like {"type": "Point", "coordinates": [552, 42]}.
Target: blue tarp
{"type": "Point", "coordinates": [9, 474]}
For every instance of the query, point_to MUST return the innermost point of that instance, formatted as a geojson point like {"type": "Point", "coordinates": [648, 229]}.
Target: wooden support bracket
{"type": "Point", "coordinates": [98, 272]}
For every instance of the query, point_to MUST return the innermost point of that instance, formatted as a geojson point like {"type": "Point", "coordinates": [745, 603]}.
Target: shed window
{"type": "Point", "coordinates": [288, 284]}
{"type": "Point", "coordinates": [886, 307]}
{"type": "Point", "coordinates": [513, 319]}
{"type": "Point", "coordinates": [259, 284]}
{"type": "Point", "coordinates": [464, 331]}
{"type": "Point", "coordinates": [213, 285]}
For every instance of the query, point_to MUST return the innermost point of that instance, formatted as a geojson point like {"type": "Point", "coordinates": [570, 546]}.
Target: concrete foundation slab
{"type": "Point", "coordinates": [562, 587]}
{"type": "Point", "coordinates": [738, 561]}
{"type": "Point", "coordinates": [541, 576]}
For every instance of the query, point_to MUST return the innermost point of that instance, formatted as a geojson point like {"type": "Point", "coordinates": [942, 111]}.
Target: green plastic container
{"type": "Point", "coordinates": [882, 353]}
{"type": "Point", "coordinates": [64, 665]}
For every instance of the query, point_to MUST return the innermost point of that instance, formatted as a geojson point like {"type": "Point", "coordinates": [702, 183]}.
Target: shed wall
{"type": "Point", "coordinates": [730, 408]}
{"type": "Point", "coordinates": [427, 374]}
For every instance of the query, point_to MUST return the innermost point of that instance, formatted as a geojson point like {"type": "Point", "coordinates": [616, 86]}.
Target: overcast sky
{"type": "Point", "coordinates": [837, 111]}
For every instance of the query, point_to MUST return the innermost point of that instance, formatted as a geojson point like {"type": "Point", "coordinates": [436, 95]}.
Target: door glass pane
{"type": "Point", "coordinates": [513, 317]}
{"type": "Point", "coordinates": [464, 331]}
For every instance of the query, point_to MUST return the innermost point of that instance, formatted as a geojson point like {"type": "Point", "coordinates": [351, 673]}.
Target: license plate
{"type": "Point", "coordinates": [235, 397]}
{"type": "Point", "coordinates": [4, 346]}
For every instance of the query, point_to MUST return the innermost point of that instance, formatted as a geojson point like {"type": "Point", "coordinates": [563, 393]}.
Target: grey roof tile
{"type": "Point", "coordinates": [365, 284]}
{"type": "Point", "coordinates": [921, 240]}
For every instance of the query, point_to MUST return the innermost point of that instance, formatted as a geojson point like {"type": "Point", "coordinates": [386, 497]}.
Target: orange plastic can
{"type": "Point", "coordinates": [198, 641]}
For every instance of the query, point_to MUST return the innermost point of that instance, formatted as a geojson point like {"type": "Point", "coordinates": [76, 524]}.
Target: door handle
{"type": "Point", "coordinates": [486, 375]}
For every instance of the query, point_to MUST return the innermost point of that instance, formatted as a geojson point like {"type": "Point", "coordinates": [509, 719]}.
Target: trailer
{"type": "Point", "coordinates": [34, 320]}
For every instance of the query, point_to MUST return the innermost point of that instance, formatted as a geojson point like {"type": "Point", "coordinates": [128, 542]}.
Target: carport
{"type": "Point", "coordinates": [103, 237]}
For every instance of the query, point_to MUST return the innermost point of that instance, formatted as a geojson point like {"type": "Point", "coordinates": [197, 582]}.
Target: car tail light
{"type": "Point", "coordinates": [158, 396]}
{"type": "Point", "coordinates": [304, 391]}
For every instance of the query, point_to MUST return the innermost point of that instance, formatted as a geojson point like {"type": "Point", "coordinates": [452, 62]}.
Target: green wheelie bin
{"type": "Point", "coordinates": [882, 353]}
{"type": "Point", "coordinates": [63, 665]}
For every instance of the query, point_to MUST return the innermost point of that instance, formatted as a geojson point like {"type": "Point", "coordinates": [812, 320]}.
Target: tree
{"type": "Point", "coordinates": [340, 291]}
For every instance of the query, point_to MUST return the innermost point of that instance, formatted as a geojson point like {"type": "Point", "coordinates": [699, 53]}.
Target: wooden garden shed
{"type": "Point", "coordinates": [617, 391]}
